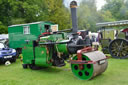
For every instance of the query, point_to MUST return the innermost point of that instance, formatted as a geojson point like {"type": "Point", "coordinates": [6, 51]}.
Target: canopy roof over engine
{"type": "Point", "coordinates": [113, 24]}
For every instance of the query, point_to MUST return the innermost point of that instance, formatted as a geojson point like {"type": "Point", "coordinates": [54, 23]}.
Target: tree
{"type": "Point", "coordinates": [87, 15]}
{"type": "Point", "coordinates": [26, 11]}
{"type": "Point", "coordinates": [124, 10]}
{"type": "Point", "coordinates": [55, 11]}
{"type": "Point", "coordinates": [5, 12]}
{"type": "Point", "coordinates": [3, 28]}
{"type": "Point", "coordinates": [106, 16]}
{"type": "Point", "coordinates": [115, 7]}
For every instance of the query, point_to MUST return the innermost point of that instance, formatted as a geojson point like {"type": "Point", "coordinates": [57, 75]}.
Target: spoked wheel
{"type": "Point", "coordinates": [118, 48]}
{"type": "Point", "coordinates": [87, 71]}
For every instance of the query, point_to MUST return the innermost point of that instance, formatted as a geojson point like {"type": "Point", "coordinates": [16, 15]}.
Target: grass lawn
{"type": "Point", "coordinates": [14, 74]}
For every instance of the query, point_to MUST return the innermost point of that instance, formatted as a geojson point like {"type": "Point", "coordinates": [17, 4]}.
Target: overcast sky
{"type": "Point", "coordinates": [99, 3]}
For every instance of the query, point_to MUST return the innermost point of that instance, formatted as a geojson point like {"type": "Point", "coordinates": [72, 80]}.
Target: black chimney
{"type": "Point", "coordinates": [73, 6]}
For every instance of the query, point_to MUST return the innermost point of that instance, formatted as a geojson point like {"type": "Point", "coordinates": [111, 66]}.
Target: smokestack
{"type": "Point", "coordinates": [73, 6]}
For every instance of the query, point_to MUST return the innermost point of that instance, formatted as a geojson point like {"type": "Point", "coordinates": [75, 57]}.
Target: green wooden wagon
{"type": "Point", "coordinates": [19, 34]}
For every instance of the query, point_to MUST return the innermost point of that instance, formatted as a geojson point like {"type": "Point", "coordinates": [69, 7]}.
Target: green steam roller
{"type": "Point", "coordinates": [54, 48]}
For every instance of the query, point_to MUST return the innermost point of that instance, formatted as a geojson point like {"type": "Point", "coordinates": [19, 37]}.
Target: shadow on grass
{"type": "Point", "coordinates": [49, 70]}
{"type": "Point", "coordinates": [100, 76]}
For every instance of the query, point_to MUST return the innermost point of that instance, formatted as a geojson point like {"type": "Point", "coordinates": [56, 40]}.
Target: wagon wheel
{"type": "Point", "coordinates": [118, 48]}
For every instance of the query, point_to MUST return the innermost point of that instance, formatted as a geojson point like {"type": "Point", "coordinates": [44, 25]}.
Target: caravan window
{"type": "Point", "coordinates": [47, 28]}
{"type": "Point", "coordinates": [26, 29]}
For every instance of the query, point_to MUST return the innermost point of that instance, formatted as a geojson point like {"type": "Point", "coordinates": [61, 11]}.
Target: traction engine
{"type": "Point", "coordinates": [54, 48]}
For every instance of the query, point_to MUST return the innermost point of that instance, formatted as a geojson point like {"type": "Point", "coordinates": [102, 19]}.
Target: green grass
{"type": "Point", "coordinates": [14, 74]}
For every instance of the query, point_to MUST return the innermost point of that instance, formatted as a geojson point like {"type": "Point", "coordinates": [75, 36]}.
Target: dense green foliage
{"type": "Point", "coordinates": [26, 11]}
{"type": "Point", "coordinates": [118, 8]}
{"type": "Point", "coordinates": [113, 10]}
{"type": "Point", "coordinates": [87, 15]}
{"type": "Point", "coordinates": [3, 28]}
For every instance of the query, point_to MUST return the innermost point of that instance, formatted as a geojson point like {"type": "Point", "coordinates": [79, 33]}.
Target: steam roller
{"type": "Point", "coordinates": [95, 64]}
{"type": "Point", "coordinates": [54, 48]}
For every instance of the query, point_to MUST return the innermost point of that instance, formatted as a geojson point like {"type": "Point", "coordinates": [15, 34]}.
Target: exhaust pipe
{"type": "Point", "coordinates": [73, 7]}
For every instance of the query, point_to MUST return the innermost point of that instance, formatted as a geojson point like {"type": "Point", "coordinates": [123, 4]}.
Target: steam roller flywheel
{"type": "Point", "coordinates": [90, 70]}
{"type": "Point", "coordinates": [118, 48]}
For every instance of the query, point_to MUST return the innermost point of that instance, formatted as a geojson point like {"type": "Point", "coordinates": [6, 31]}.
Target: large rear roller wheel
{"type": "Point", "coordinates": [118, 48]}
{"type": "Point", "coordinates": [87, 71]}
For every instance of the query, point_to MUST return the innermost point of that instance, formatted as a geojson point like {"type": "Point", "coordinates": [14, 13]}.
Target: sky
{"type": "Point", "coordinates": [99, 3]}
